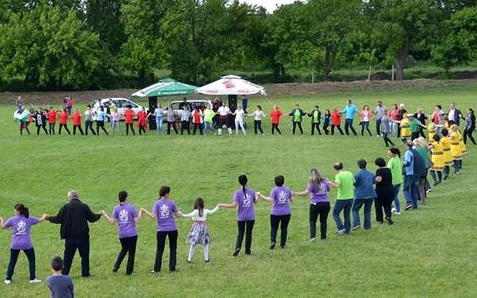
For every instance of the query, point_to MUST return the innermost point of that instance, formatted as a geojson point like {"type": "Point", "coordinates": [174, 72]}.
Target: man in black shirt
{"type": "Point", "coordinates": [74, 217]}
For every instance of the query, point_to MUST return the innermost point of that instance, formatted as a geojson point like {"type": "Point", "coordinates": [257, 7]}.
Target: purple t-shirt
{"type": "Point", "coordinates": [245, 202]}
{"type": "Point", "coordinates": [165, 209]}
{"type": "Point", "coordinates": [319, 194]}
{"type": "Point", "coordinates": [281, 200]}
{"type": "Point", "coordinates": [125, 214]}
{"type": "Point", "coordinates": [21, 231]}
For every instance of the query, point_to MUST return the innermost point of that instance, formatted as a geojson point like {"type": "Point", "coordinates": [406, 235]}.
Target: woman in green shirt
{"type": "Point", "coordinates": [395, 165]}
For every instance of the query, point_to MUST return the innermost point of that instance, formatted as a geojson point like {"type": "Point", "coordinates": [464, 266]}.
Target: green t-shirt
{"type": "Point", "coordinates": [208, 115]}
{"type": "Point", "coordinates": [346, 185]}
{"type": "Point", "coordinates": [297, 115]}
{"type": "Point", "coordinates": [424, 153]}
{"type": "Point", "coordinates": [415, 125]}
{"type": "Point", "coordinates": [395, 165]}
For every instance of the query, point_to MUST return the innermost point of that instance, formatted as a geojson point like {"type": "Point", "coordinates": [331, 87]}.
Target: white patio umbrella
{"type": "Point", "coordinates": [231, 85]}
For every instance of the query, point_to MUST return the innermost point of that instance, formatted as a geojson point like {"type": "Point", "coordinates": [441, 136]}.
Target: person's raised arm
{"type": "Point", "coordinates": [42, 218]}
{"type": "Point", "coordinates": [2, 223]}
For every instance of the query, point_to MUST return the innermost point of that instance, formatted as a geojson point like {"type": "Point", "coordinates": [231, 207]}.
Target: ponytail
{"type": "Point", "coordinates": [22, 210]}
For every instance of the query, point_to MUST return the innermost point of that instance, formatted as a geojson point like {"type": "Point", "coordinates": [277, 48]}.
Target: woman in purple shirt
{"type": "Point", "coordinates": [127, 217]}
{"type": "Point", "coordinates": [281, 197]}
{"type": "Point", "coordinates": [21, 224]}
{"type": "Point", "coordinates": [245, 198]}
{"type": "Point", "coordinates": [318, 188]}
{"type": "Point", "coordinates": [164, 211]}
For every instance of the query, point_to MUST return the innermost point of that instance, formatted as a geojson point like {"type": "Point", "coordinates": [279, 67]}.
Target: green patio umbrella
{"type": "Point", "coordinates": [166, 87]}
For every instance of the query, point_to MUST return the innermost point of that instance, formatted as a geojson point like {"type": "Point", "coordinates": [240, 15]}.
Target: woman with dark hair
{"type": "Point", "coordinates": [127, 217]}
{"type": "Point", "coordinates": [326, 121]}
{"type": "Point", "coordinates": [318, 188]}
{"type": "Point", "coordinates": [384, 191]}
{"type": "Point", "coordinates": [257, 115]}
{"type": "Point", "coordinates": [395, 165]}
{"type": "Point", "coordinates": [280, 213]}
{"type": "Point", "coordinates": [365, 116]}
{"type": "Point", "coordinates": [469, 126]}
{"type": "Point", "coordinates": [164, 210]}
{"type": "Point", "coordinates": [245, 198]}
{"type": "Point", "coordinates": [199, 233]}
{"type": "Point", "coordinates": [21, 224]}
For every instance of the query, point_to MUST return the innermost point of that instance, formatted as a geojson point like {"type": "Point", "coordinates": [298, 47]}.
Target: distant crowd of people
{"type": "Point", "coordinates": [393, 122]}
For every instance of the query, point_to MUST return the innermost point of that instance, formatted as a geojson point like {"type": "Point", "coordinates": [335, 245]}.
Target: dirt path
{"type": "Point", "coordinates": [275, 90]}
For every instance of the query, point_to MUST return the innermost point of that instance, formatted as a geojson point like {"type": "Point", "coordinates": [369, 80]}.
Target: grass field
{"type": "Point", "coordinates": [427, 253]}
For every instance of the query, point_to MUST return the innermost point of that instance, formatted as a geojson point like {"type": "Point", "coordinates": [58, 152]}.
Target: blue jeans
{"type": "Point", "coordinates": [159, 124]}
{"type": "Point", "coordinates": [357, 203]}
{"type": "Point", "coordinates": [411, 190]}
{"type": "Point", "coordinates": [397, 204]}
{"type": "Point", "coordinates": [208, 125]}
{"type": "Point", "coordinates": [345, 206]}
{"type": "Point", "coordinates": [348, 126]}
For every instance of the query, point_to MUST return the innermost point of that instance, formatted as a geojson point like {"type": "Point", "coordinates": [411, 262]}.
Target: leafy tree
{"type": "Point", "coordinates": [404, 25]}
{"type": "Point", "coordinates": [143, 50]}
{"type": "Point", "coordinates": [458, 44]}
{"type": "Point", "coordinates": [45, 48]}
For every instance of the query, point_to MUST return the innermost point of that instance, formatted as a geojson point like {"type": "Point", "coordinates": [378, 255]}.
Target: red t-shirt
{"type": "Point", "coordinates": [196, 117]}
{"type": "Point", "coordinates": [76, 118]}
{"type": "Point", "coordinates": [128, 116]}
{"type": "Point", "coordinates": [335, 118]}
{"type": "Point", "coordinates": [52, 117]}
{"type": "Point", "coordinates": [275, 115]}
{"type": "Point", "coordinates": [141, 118]}
{"type": "Point", "coordinates": [63, 118]}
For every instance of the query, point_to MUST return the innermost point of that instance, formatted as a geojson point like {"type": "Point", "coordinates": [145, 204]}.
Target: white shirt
{"type": "Point", "coordinates": [195, 214]}
{"type": "Point", "coordinates": [239, 113]}
{"type": "Point", "coordinates": [257, 115]}
{"type": "Point", "coordinates": [223, 111]}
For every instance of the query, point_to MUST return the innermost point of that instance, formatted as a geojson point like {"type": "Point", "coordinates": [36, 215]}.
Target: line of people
{"type": "Point", "coordinates": [393, 122]}
{"type": "Point", "coordinates": [354, 191]}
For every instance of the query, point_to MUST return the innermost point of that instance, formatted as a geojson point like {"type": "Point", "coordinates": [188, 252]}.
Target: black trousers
{"type": "Point", "coordinates": [317, 126]}
{"type": "Point", "coordinates": [275, 126]}
{"type": "Point", "coordinates": [322, 210]}
{"type": "Point", "coordinates": [197, 125]}
{"type": "Point", "coordinates": [89, 126]}
{"type": "Point", "coordinates": [468, 133]}
{"type": "Point", "coordinates": [66, 128]}
{"type": "Point", "coordinates": [275, 222]}
{"type": "Point", "coordinates": [382, 203]}
{"type": "Point", "coordinates": [349, 126]}
{"type": "Point", "coordinates": [128, 246]}
{"type": "Point", "coordinates": [386, 139]}
{"type": "Point", "coordinates": [38, 128]}
{"type": "Point", "coordinates": [130, 126]}
{"type": "Point", "coordinates": [79, 128]}
{"type": "Point", "coordinates": [173, 124]}
{"type": "Point", "coordinates": [245, 227]}
{"type": "Point", "coordinates": [295, 124]}
{"type": "Point", "coordinates": [70, 249]}
{"type": "Point", "coordinates": [378, 127]}
{"type": "Point", "coordinates": [51, 128]}
{"type": "Point", "coordinates": [161, 243]}
{"type": "Point", "coordinates": [337, 127]}
{"type": "Point", "coordinates": [100, 124]}
{"type": "Point", "coordinates": [184, 126]}
{"type": "Point", "coordinates": [30, 253]}
{"type": "Point", "coordinates": [257, 126]}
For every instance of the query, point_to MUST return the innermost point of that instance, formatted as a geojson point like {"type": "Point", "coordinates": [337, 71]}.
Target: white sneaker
{"type": "Point", "coordinates": [393, 209]}
{"type": "Point", "coordinates": [7, 281]}
{"type": "Point", "coordinates": [312, 239]}
{"type": "Point", "coordinates": [397, 213]}
{"type": "Point", "coordinates": [35, 281]}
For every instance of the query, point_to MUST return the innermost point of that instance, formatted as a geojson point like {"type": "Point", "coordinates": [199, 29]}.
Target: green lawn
{"type": "Point", "coordinates": [428, 253]}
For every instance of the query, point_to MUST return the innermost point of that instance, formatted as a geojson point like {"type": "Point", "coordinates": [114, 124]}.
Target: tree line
{"type": "Point", "coordinates": [91, 44]}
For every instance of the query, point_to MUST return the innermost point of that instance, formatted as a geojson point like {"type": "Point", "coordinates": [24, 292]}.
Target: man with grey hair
{"type": "Point", "coordinates": [74, 217]}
